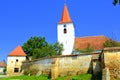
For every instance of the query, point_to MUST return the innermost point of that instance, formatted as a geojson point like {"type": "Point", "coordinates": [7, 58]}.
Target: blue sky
{"type": "Point", "coordinates": [21, 19]}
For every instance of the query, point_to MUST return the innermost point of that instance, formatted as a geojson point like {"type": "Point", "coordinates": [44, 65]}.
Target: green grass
{"type": "Point", "coordinates": [77, 77]}
{"type": "Point", "coordinates": [26, 78]}
{"type": "Point", "coordinates": [43, 77]}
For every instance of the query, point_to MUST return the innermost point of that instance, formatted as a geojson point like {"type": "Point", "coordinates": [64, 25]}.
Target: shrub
{"type": "Point", "coordinates": [30, 72]}
{"type": "Point", "coordinates": [88, 49]}
{"type": "Point", "coordinates": [111, 43]}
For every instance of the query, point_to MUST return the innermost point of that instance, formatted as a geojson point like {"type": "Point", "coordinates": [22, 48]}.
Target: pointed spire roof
{"type": "Point", "coordinates": [18, 51]}
{"type": "Point", "coordinates": [65, 16]}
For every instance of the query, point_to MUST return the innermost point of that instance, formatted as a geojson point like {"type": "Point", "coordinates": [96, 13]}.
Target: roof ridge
{"type": "Point", "coordinates": [18, 51]}
{"type": "Point", "coordinates": [3, 63]}
{"type": "Point", "coordinates": [92, 36]}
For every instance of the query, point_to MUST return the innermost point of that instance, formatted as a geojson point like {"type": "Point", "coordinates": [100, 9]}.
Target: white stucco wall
{"type": "Point", "coordinates": [66, 39]}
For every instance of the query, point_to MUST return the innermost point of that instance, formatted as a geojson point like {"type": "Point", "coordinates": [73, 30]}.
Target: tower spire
{"type": "Point", "coordinates": [65, 16]}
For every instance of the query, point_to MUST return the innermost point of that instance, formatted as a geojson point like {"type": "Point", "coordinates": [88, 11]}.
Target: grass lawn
{"type": "Point", "coordinates": [77, 77]}
{"type": "Point", "coordinates": [26, 78]}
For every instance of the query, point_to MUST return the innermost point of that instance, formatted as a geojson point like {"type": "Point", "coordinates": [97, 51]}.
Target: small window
{"type": "Point", "coordinates": [65, 30]}
{"type": "Point", "coordinates": [16, 60]}
{"type": "Point", "coordinates": [16, 69]}
{"type": "Point", "coordinates": [64, 25]}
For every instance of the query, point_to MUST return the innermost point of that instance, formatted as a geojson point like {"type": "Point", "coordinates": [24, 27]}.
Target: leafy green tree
{"type": "Point", "coordinates": [44, 52]}
{"type": "Point", "coordinates": [37, 47]}
{"type": "Point", "coordinates": [58, 48]}
{"type": "Point", "coordinates": [34, 43]}
{"type": "Point", "coordinates": [115, 2]}
{"type": "Point", "coordinates": [111, 43]}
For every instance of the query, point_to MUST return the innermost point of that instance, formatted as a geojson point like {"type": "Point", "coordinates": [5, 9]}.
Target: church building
{"type": "Point", "coordinates": [66, 36]}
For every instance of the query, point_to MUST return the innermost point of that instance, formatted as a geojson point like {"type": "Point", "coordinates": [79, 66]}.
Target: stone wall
{"type": "Point", "coordinates": [41, 66]}
{"type": "Point", "coordinates": [105, 74]}
{"type": "Point", "coordinates": [74, 65]}
{"type": "Point", "coordinates": [111, 60]}
{"type": "Point", "coordinates": [96, 64]}
{"type": "Point", "coordinates": [62, 65]}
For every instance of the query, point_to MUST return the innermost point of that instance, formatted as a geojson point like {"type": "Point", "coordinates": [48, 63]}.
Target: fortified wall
{"type": "Point", "coordinates": [111, 63]}
{"type": "Point", "coordinates": [64, 65]}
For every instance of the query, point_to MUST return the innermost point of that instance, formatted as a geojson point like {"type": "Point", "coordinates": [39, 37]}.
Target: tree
{"type": "Point", "coordinates": [46, 51]}
{"type": "Point", "coordinates": [88, 49]}
{"type": "Point", "coordinates": [34, 43]}
{"type": "Point", "coordinates": [111, 43]}
{"type": "Point", "coordinates": [58, 48]}
{"type": "Point", "coordinates": [37, 47]}
{"type": "Point", "coordinates": [115, 2]}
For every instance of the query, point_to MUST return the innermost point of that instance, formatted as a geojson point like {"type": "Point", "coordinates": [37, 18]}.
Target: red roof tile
{"type": "Point", "coordinates": [65, 16]}
{"type": "Point", "coordinates": [3, 64]}
{"type": "Point", "coordinates": [18, 51]}
{"type": "Point", "coordinates": [95, 42]}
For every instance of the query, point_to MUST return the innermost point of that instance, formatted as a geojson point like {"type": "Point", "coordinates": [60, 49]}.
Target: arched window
{"type": "Point", "coordinates": [65, 30]}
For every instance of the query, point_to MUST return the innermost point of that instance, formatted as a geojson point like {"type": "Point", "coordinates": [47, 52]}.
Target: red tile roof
{"type": "Point", "coordinates": [95, 42]}
{"type": "Point", "coordinates": [3, 64]}
{"type": "Point", "coordinates": [18, 51]}
{"type": "Point", "coordinates": [65, 16]}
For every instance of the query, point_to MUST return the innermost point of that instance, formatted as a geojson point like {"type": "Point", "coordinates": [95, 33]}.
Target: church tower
{"type": "Point", "coordinates": [66, 34]}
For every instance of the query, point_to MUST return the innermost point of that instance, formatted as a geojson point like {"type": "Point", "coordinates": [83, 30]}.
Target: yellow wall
{"type": "Point", "coordinates": [12, 63]}
{"type": "Point", "coordinates": [112, 61]}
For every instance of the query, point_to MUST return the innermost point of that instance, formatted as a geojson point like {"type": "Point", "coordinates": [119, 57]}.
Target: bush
{"type": "Point", "coordinates": [4, 70]}
{"type": "Point", "coordinates": [111, 43]}
{"type": "Point", "coordinates": [30, 72]}
{"type": "Point", "coordinates": [87, 50]}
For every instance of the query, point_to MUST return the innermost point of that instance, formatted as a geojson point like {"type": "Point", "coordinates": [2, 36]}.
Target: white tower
{"type": "Point", "coordinates": [66, 34]}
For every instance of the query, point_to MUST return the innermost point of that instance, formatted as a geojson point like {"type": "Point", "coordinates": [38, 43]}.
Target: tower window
{"type": "Point", "coordinates": [64, 25]}
{"type": "Point", "coordinates": [65, 30]}
{"type": "Point", "coordinates": [16, 60]}
{"type": "Point", "coordinates": [16, 69]}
